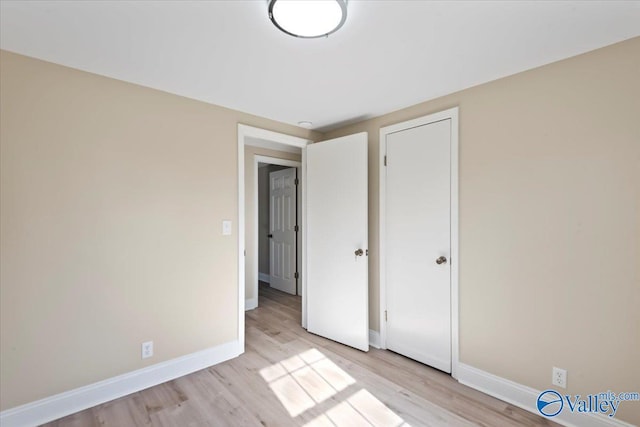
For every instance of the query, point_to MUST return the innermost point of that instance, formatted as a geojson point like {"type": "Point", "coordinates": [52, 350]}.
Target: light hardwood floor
{"type": "Point", "coordinates": [288, 377]}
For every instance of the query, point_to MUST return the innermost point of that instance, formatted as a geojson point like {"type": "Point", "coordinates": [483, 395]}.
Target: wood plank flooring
{"type": "Point", "coordinates": [288, 377]}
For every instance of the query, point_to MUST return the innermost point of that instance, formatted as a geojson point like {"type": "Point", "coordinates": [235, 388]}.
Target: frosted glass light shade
{"type": "Point", "coordinates": [308, 18]}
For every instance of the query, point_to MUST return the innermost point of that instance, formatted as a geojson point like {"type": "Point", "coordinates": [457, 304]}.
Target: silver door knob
{"type": "Point", "coordinates": [359, 252]}
{"type": "Point", "coordinates": [441, 260]}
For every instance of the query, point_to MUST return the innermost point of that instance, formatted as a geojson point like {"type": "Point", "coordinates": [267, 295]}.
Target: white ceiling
{"type": "Point", "coordinates": [388, 55]}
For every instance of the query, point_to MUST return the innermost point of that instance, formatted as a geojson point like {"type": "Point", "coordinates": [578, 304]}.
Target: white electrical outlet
{"type": "Point", "coordinates": [147, 349]}
{"type": "Point", "coordinates": [559, 377]}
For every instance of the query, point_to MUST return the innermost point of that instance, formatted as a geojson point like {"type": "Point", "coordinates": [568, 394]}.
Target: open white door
{"type": "Point", "coordinates": [337, 246]}
{"type": "Point", "coordinates": [282, 232]}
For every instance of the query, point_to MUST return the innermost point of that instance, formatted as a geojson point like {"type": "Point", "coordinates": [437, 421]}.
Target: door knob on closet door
{"type": "Point", "coordinates": [359, 252]}
{"type": "Point", "coordinates": [441, 260]}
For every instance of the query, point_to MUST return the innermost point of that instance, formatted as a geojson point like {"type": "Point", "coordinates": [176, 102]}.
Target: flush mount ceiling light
{"type": "Point", "coordinates": [308, 18]}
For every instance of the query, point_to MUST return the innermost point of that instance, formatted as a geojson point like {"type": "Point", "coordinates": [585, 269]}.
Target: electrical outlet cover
{"type": "Point", "coordinates": [147, 349]}
{"type": "Point", "coordinates": [559, 377]}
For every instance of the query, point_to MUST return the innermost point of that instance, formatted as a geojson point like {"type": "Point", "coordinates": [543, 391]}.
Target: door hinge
{"type": "Point", "coordinates": [296, 228]}
{"type": "Point", "coordinates": [385, 160]}
{"type": "Point", "coordinates": [296, 181]}
{"type": "Point", "coordinates": [296, 275]}
{"type": "Point", "coordinates": [385, 316]}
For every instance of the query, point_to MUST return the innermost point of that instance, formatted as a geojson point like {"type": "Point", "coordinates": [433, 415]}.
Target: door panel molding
{"type": "Point", "coordinates": [450, 114]}
{"type": "Point", "coordinates": [282, 230]}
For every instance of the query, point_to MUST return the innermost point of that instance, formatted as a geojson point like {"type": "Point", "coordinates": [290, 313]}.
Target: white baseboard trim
{"type": "Point", "coordinates": [250, 304]}
{"type": "Point", "coordinates": [69, 402]}
{"type": "Point", "coordinates": [374, 338]}
{"type": "Point", "coordinates": [526, 398]}
{"type": "Point", "coordinates": [264, 277]}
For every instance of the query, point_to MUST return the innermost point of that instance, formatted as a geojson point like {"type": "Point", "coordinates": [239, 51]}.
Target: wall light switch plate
{"type": "Point", "coordinates": [226, 228]}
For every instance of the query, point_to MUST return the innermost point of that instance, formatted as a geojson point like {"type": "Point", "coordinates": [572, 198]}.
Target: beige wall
{"type": "Point", "coordinates": [549, 221]}
{"type": "Point", "coordinates": [111, 204]}
{"type": "Point", "coordinates": [251, 236]}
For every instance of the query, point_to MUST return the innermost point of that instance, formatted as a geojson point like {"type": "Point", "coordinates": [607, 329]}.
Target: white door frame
{"type": "Point", "coordinates": [249, 135]}
{"type": "Point", "coordinates": [451, 114]}
{"type": "Point", "coordinates": [280, 162]}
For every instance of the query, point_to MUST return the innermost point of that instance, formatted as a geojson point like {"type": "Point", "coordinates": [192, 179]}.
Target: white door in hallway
{"type": "Point", "coordinates": [282, 233]}
{"type": "Point", "coordinates": [336, 240]}
{"type": "Point", "coordinates": [418, 243]}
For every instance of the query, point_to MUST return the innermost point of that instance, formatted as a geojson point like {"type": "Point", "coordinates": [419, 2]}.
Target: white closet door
{"type": "Point", "coordinates": [418, 243]}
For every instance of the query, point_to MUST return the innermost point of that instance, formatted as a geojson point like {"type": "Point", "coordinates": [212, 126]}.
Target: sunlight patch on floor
{"type": "Point", "coordinates": [303, 381]}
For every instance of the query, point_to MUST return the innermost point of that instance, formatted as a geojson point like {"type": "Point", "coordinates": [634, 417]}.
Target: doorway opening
{"type": "Point", "coordinates": [251, 142]}
{"type": "Point", "coordinates": [333, 274]}
{"type": "Point", "coordinates": [276, 221]}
